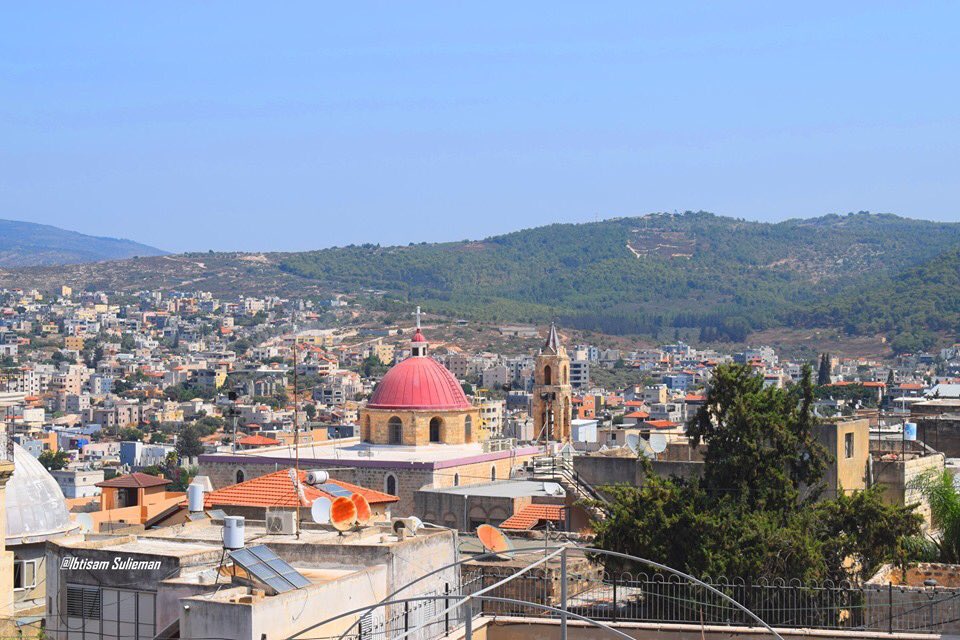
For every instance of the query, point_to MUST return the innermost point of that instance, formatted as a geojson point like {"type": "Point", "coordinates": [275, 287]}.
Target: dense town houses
{"type": "Point", "coordinates": [120, 404]}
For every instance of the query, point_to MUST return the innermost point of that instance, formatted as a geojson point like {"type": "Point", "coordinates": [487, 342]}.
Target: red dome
{"type": "Point", "coordinates": [418, 336]}
{"type": "Point", "coordinates": [419, 383]}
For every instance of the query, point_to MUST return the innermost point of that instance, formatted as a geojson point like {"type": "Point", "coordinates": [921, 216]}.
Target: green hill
{"type": "Point", "coordinates": [724, 276]}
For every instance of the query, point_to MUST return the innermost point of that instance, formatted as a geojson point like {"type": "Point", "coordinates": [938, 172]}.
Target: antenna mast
{"type": "Point", "coordinates": [296, 425]}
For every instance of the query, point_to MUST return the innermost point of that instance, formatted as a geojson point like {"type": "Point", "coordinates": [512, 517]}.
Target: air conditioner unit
{"type": "Point", "coordinates": [280, 522]}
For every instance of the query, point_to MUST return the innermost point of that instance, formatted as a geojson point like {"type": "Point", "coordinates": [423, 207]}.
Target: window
{"type": "Point", "coordinates": [468, 429]}
{"type": "Point", "coordinates": [493, 474]}
{"type": "Point", "coordinates": [456, 479]}
{"type": "Point", "coordinates": [547, 375]}
{"type": "Point", "coordinates": [83, 602]}
{"type": "Point", "coordinates": [395, 430]}
{"type": "Point", "coordinates": [390, 484]}
{"type": "Point", "coordinates": [435, 424]}
{"type": "Point", "coordinates": [25, 574]}
{"type": "Point", "coordinates": [848, 445]}
{"type": "Point", "coordinates": [240, 476]}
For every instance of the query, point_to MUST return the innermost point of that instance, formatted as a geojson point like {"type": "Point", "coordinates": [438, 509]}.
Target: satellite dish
{"type": "Point", "coordinates": [343, 513]}
{"type": "Point", "coordinates": [363, 508]}
{"type": "Point", "coordinates": [492, 539]}
{"type": "Point", "coordinates": [633, 441]}
{"type": "Point", "coordinates": [658, 442]}
{"type": "Point", "coordinates": [554, 489]}
{"type": "Point", "coordinates": [320, 510]}
{"type": "Point", "coordinates": [85, 520]}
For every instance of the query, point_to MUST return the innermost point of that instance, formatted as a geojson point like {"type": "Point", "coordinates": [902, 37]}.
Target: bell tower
{"type": "Point", "coordinates": [552, 409]}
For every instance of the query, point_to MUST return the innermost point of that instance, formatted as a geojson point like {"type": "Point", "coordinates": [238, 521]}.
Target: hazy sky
{"type": "Point", "coordinates": [280, 126]}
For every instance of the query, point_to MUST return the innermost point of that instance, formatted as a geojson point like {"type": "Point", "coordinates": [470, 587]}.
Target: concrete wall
{"type": "Point", "coordinates": [898, 479]}
{"type": "Point", "coordinates": [538, 629]}
{"type": "Point", "coordinates": [281, 616]}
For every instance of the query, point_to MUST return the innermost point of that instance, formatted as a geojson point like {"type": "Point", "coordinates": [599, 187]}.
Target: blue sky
{"type": "Point", "coordinates": [285, 126]}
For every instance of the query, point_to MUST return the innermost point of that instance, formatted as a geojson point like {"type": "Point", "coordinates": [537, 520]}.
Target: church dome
{"type": "Point", "coordinates": [35, 505]}
{"type": "Point", "coordinates": [419, 383]}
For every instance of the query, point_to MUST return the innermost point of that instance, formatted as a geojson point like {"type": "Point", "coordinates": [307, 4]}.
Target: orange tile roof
{"type": "Point", "coordinates": [257, 441]}
{"type": "Point", "coordinates": [532, 515]}
{"type": "Point", "coordinates": [693, 397]}
{"type": "Point", "coordinates": [638, 414]}
{"type": "Point", "coordinates": [276, 490]}
{"type": "Point", "coordinates": [661, 424]}
{"type": "Point", "coordinates": [134, 481]}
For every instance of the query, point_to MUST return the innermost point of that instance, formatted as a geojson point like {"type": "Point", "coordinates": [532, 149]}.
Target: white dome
{"type": "Point", "coordinates": [35, 504]}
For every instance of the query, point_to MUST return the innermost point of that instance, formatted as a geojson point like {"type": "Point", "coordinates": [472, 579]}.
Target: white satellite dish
{"type": "Point", "coordinates": [85, 520]}
{"type": "Point", "coordinates": [320, 510]}
{"type": "Point", "coordinates": [554, 489]}
{"type": "Point", "coordinates": [658, 442]}
{"type": "Point", "coordinates": [633, 442]}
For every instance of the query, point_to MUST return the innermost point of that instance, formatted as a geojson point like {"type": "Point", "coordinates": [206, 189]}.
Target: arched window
{"type": "Point", "coordinates": [547, 375]}
{"type": "Point", "coordinates": [435, 424]}
{"type": "Point", "coordinates": [493, 473]}
{"type": "Point", "coordinates": [395, 430]}
{"type": "Point", "coordinates": [565, 375]}
{"type": "Point", "coordinates": [240, 476]}
{"type": "Point", "coordinates": [468, 429]}
{"type": "Point", "coordinates": [390, 484]}
{"type": "Point", "coordinates": [456, 479]}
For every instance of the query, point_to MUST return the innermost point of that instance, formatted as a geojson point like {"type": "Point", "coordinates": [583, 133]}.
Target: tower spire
{"type": "Point", "coordinates": [553, 340]}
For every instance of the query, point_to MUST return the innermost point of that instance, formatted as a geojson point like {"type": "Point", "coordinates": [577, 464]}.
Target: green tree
{"type": "Point", "coordinates": [188, 444]}
{"type": "Point", "coordinates": [761, 448]}
{"type": "Point", "coordinates": [823, 373]}
{"type": "Point", "coordinates": [752, 512]}
{"type": "Point", "coordinates": [54, 461]}
{"type": "Point", "coordinates": [128, 434]}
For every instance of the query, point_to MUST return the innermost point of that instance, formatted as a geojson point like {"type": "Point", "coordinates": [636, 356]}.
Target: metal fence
{"type": "Point", "coordinates": [426, 619]}
{"type": "Point", "coordinates": [655, 597]}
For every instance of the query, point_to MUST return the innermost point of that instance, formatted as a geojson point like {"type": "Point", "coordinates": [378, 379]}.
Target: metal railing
{"type": "Point", "coordinates": [571, 583]}
{"type": "Point", "coordinates": [669, 599]}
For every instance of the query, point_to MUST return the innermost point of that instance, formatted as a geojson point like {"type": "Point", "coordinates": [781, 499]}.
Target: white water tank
{"type": "Point", "coordinates": [233, 532]}
{"type": "Point", "coordinates": [195, 498]}
{"type": "Point", "coordinates": [317, 476]}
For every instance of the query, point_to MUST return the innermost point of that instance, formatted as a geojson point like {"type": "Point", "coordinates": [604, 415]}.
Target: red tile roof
{"type": "Point", "coordinates": [257, 441]}
{"type": "Point", "coordinates": [134, 481]}
{"type": "Point", "coordinates": [276, 490]}
{"type": "Point", "coordinates": [661, 424]}
{"type": "Point", "coordinates": [641, 415]}
{"type": "Point", "coordinates": [532, 515]}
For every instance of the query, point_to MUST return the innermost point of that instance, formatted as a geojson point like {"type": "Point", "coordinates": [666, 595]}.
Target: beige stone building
{"type": "Point", "coordinates": [419, 402]}
{"type": "Point", "coordinates": [552, 392]}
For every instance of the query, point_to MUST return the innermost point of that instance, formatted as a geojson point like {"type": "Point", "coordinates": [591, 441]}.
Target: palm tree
{"type": "Point", "coordinates": [939, 490]}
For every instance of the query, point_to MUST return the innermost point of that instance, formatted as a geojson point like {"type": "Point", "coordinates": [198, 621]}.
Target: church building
{"type": "Point", "coordinates": [419, 402]}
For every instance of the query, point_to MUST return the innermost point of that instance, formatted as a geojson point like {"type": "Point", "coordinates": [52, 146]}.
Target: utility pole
{"type": "Point", "coordinates": [296, 426]}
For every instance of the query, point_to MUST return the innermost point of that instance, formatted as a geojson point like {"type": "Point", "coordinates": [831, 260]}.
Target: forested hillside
{"type": "Point", "coordinates": [727, 277]}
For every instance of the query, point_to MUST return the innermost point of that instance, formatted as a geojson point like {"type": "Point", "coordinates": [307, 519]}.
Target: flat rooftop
{"type": "Point", "coordinates": [158, 547]}
{"type": "Point", "coordinates": [352, 451]}
{"type": "Point", "coordinates": [210, 532]}
{"type": "Point", "coordinates": [505, 489]}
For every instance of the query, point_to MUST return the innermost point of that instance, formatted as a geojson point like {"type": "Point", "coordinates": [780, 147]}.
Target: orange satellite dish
{"type": "Point", "coordinates": [363, 508]}
{"type": "Point", "coordinates": [493, 539]}
{"type": "Point", "coordinates": [343, 513]}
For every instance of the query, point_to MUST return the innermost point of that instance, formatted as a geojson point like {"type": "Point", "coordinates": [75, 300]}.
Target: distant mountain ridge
{"type": "Point", "coordinates": [26, 244]}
